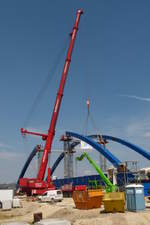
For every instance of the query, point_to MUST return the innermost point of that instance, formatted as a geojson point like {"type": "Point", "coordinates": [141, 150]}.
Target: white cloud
{"type": "Point", "coordinates": [147, 134]}
{"type": "Point", "coordinates": [139, 128]}
{"type": "Point", "coordinates": [136, 97]}
{"type": "Point", "coordinates": [4, 146]}
{"type": "Point", "coordinates": [8, 155]}
{"type": "Point", "coordinates": [7, 152]}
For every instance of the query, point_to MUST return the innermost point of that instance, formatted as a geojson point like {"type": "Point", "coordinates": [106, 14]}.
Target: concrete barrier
{"type": "Point", "coordinates": [53, 222]}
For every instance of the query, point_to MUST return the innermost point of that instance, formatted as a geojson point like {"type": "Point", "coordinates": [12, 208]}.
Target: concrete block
{"type": "Point", "coordinates": [15, 223]}
{"type": "Point", "coordinates": [6, 205]}
{"type": "Point", "coordinates": [53, 222]}
{"type": "Point", "coordinates": [16, 203]}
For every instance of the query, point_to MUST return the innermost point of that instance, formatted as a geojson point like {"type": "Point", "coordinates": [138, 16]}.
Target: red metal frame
{"type": "Point", "coordinates": [35, 185]}
{"type": "Point", "coordinates": [25, 131]}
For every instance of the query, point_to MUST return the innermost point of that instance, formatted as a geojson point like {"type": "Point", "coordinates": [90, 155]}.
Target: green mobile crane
{"type": "Point", "coordinates": [109, 186]}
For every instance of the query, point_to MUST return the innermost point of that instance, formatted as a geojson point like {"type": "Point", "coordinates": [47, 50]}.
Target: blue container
{"type": "Point", "coordinates": [146, 184]}
{"type": "Point", "coordinates": [135, 197]}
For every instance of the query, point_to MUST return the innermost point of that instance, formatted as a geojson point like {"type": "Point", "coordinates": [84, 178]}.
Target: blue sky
{"type": "Point", "coordinates": [110, 65]}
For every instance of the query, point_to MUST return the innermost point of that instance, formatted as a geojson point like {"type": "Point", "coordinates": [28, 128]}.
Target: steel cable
{"type": "Point", "coordinates": [46, 83]}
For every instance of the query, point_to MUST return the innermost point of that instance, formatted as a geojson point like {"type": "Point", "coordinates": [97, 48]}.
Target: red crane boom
{"type": "Point", "coordinates": [52, 127]}
{"type": "Point", "coordinates": [39, 182]}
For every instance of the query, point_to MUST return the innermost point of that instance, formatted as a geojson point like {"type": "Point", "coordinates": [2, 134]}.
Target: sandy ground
{"type": "Point", "coordinates": [67, 210]}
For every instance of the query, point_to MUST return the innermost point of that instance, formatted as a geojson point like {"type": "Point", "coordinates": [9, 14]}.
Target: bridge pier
{"type": "Point", "coordinates": [68, 160]}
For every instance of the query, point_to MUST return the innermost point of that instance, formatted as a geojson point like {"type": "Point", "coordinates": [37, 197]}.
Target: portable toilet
{"type": "Point", "coordinates": [135, 197]}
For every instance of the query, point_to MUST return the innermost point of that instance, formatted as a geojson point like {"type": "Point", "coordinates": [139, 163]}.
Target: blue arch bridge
{"type": "Point", "coordinates": [73, 139]}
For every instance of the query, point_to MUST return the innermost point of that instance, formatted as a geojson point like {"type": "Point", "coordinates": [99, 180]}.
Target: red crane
{"type": "Point", "coordinates": [38, 185]}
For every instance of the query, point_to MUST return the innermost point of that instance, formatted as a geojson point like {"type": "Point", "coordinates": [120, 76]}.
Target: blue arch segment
{"type": "Point", "coordinates": [134, 147]}
{"type": "Point", "coordinates": [139, 150]}
{"type": "Point", "coordinates": [27, 163]}
{"type": "Point", "coordinates": [60, 157]}
{"type": "Point", "coordinates": [104, 151]}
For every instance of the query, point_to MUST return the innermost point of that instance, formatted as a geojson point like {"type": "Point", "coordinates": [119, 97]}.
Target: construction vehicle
{"type": "Point", "coordinates": [37, 186]}
{"type": "Point", "coordinates": [51, 196]}
{"type": "Point", "coordinates": [109, 186]}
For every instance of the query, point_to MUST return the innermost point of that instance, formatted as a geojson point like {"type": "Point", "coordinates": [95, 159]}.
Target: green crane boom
{"type": "Point", "coordinates": [109, 186]}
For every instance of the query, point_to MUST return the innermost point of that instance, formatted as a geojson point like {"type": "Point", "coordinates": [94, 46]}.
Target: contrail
{"type": "Point", "coordinates": [136, 97]}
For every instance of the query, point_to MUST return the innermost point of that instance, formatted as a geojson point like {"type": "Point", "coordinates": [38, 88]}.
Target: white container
{"type": "Point", "coordinates": [53, 222]}
{"type": "Point", "coordinates": [15, 223]}
{"type": "Point", "coordinates": [6, 194]}
{"type": "Point", "coordinates": [16, 203]}
{"type": "Point", "coordinates": [6, 205]}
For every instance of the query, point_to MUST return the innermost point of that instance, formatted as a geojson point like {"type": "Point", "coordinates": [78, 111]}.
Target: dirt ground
{"type": "Point", "coordinates": [67, 210]}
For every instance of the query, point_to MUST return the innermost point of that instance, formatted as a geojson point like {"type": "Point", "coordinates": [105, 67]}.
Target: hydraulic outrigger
{"type": "Point", "coordinates": [38, 185]}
